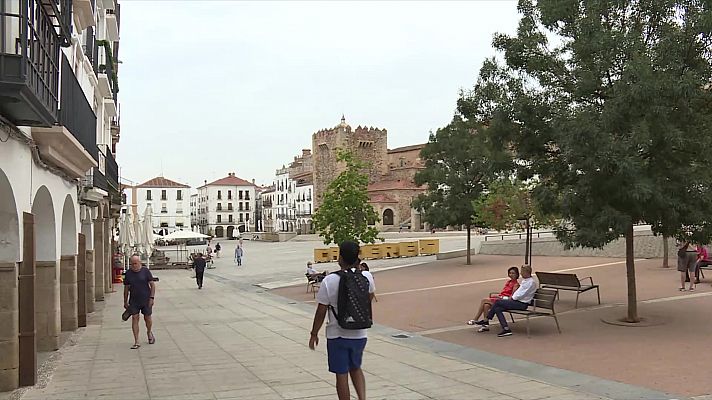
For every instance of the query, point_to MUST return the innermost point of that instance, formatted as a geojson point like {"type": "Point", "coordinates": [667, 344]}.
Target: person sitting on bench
{"type": "Point", "coordinates": [520, 301]}
{"type": "Point", "coordinates": [702, 261]}
{"type": "Point", "coordinates": [509, 288]}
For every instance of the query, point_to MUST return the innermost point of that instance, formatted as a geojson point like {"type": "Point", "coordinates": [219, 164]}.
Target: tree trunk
{"type": "Point", "coordinates": [666, 252]}
{"type": "Point", "coordinates": [469, 229]}
{"type": "Point", "coordinates": [630, 273]}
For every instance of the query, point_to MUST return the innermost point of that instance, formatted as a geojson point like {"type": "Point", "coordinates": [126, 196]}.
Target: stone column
{"type": "Point", "coordinates": [26, 294]}
{"type": "Point", "coordinates": [89, 254]}
{"type": "Point", "coordinates": [81, 281]}
{"type": "Point", "coordinates": [108, 256]}
{"type": "Point", "coordinates": [99, 259]}
{"type": "Point", "coordinates": [47, 306]}
{"type": "Point", "coordinates": [9, 329]}
{"type": "Point", "coordinates": [414, 220]}
{"type": "Point", "coordinates": [68, 293]}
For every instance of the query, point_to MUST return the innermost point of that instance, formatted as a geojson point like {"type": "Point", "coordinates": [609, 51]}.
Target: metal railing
{"type": "Point", "coordinates": [76, 114]}
{"type": "Point", "coordinates": [111, 169]}
{"type": "Point", "coordinates": [521, 235]}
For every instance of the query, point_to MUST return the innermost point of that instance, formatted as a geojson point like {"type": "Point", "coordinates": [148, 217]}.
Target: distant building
{"type": "Point", "coordinates": [193, 211]}
{"type": "Point", "coordinates": [268, 209]}
{"type": "Point", "coordinates": [169, 201]}
{"type": "Point", "coordinates": [227, 205]}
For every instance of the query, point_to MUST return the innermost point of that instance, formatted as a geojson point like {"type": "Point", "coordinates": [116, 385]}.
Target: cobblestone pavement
{"type": "Point", "coordinates": [225, 342]}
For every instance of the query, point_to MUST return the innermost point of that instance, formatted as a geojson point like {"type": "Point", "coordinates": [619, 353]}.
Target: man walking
{"type": "Point", "coordinates": [199, 265]}
{"type": "Point", "coordinates": [344, 346]}
{"type": "Point", "coordinates": [139, 294]}
{"type": "Point", "coordinates": [520, 301]}
{"type": "Point", "coordinates": [239, 252]}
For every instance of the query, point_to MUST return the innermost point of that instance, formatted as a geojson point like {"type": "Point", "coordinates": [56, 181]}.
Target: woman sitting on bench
{"type": "Point", "coordinates": [510, 287]}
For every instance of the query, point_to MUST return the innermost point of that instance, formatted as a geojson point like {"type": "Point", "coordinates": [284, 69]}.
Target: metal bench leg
{"type": "Point", "coordinates": [528, 326]}
{"type": "Point", "coordinates": [512, 317]}
{"type": "Point", "coordinates": [598, 292]}
{"type": "Point", "coordinates": [557, 323]}
{"type": "Point", "coordinates": [577, 296]}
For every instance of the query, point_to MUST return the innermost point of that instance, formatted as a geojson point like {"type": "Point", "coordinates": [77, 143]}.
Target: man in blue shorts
{"type": "Point", "coordinates": [344, 346]}
{"type": "Point", "coordinates": [138, 283]}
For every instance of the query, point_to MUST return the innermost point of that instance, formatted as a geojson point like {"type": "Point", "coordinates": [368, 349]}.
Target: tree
{"type": "Point", "coordinates": [507, 203]}
{"type": "Point", "coordinates": [345, 212]}
{"type": "Point", "coordinates": [612, 115]}
{"type": "Point", "coordinates": [458, 165]}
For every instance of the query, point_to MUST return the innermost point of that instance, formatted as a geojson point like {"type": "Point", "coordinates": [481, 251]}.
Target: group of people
{"type": "Point", "coordinates": [515, 295]}
{"type": "Point", "coordinates": [690, 259]}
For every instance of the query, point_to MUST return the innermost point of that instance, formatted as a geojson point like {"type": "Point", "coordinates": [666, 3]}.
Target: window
{"type": "Point", "coordinates": [229, 194]}
{"type": "Point", "coordinates": [229, 218]}
{"type": "Point", "coordinates": [247, 217]}
{"type": "Point", "coordinates": [219, 206]}
{"type": "Point", "coordinates": [219, 218]}
{"type": "Point", "coordinates": [247, 206]}
{"type": "Point", "coordinates": [229, 206]}
{"type": "Point", "coordinates": [164, 224]}
{"type": "Point", "coordinates": [148, 195]}
{"type": "Point", "coordinates": [219, 195]}
{"type": "Point", "coordinates": [164, 208]}
{"type": "Point", "coordinates": [179, 224]}
{"type": "Point", "coordinates": [240, 217]}
{"type": "Point", "coordinates": [163, 195]}
{"type": "Point", "coordinates": [240, 206]}
{"type": "Point", "coordinates": [179, 195]}
{"type": "Point", "coordinates": [247, 195]}
{"type": "Point", "coordinates": [239, 194]}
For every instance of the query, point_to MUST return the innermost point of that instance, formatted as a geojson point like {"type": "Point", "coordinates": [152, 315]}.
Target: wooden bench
{"type": "Point", "coordinates": [553, 280]}
{"type": "Point", "coordinates": [541, 306]}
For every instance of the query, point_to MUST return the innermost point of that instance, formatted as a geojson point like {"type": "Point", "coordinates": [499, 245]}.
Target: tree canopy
{"type": "Point", "coordinates": [609, 105]}
{"type": "Point", "coordinates": [345, 211]}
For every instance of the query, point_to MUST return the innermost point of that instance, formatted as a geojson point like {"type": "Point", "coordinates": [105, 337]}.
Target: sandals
{"type": "Point", "coordinates": [151, 339]}
{"type": "Point", "coordinates": [135, 346]}
{"type": "Point", "coordinates": [471, 322]}
{"type": "Point", "coordinates": [682, 289]}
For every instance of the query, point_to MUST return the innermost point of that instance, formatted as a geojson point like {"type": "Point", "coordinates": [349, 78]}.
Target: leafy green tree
{"type": "Point", "coordinates": [507, 203]}
{"type": "Point", "coordinates": [345, 213]}
{"type": "Point", "coordinates": [458, 165]}
{"type": "Point", "coordinates": [614, 115]}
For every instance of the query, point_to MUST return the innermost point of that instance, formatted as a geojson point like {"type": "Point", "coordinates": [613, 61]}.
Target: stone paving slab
{"type": "Point", "coordinates": [227, 342]}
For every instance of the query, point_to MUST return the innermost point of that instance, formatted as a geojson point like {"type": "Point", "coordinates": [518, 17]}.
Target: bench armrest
{"type": "Point", "coordinates": [589, 278]}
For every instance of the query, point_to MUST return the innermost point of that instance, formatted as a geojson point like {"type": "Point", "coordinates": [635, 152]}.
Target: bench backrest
{"type": "Point", "coordinates": [544, 298]}
{"type": "Point", "coordinates": [556, 279]}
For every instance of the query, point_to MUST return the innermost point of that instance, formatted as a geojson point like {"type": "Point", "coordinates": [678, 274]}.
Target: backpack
{"type": "Point", "coordinates": [354, 301]}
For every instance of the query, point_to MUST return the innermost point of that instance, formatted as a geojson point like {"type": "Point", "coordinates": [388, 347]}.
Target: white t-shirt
{"type": "Point", "coordinates": [328, 294]}
{"type": "Point", "coordinates": [311, 270]}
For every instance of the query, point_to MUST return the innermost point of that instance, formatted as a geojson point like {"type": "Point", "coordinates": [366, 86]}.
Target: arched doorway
{"type": "Point", "coordinates": [388, 217]}
{"type": "Point", "coordinates": [230, 231]}
{"type": "Point", "coordinates": [68, 267]}
{"type": "Point", "coordinates": [241, 228]}
{"type": "Point", "coordinates": [219, 231]}
{"type": "Point", "coordinates": [46, 284]}
{"type": "Point", "coordinates": [9, 255]}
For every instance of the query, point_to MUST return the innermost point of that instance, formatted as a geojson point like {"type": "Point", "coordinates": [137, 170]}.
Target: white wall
{"type": "Point", "coordinates": [171, 211]}
{"type": "Point", "coordinates": [248, 206]}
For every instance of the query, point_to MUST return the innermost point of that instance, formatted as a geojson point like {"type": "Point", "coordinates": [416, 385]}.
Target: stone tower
{"type": "Point", "coordinates": [369, 145]}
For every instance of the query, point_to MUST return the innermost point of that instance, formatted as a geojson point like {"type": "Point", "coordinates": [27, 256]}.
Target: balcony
{"type": "Point", "coordinates": [29, 64]}
{"type": "Point", "coordinates": [110, 107]}
{"type": "Point", "coordinates": [83, 13]}
{"type": "Point", "coordinates": [70, 145]}
{"type": "Point", "coordinates": [112, 26]}
{"type": "Point", "coordinates": [112, 170]}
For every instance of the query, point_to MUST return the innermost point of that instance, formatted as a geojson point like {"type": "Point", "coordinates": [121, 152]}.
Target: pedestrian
{"type": "Point", "coordinates": [687, 264]}
{"type": "Point", "coordinates": [519, 300]}
{"type": "Point", "coordinates": [209, 251]}
{"type": "Point", "coordinates": [239, 252]}
{"type": "Point", "coordinates": [199, 265]}
{"type": "Point", "coordinates": [139, 295]}
{"type": "Point", "coordinates": [217, 249]}
{"type": "Point", "coordinates": [346, 332]}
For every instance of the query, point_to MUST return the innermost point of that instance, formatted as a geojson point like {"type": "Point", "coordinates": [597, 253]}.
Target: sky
{"type": "Point", "coordinates": [211, 87]}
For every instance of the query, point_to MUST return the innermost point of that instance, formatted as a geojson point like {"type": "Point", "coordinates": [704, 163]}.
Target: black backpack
{"type": "Point", "coordinates": [354, 301]}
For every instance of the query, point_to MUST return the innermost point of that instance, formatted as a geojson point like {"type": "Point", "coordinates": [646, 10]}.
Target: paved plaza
{"type": "Point", "coordinates": [236, 340]}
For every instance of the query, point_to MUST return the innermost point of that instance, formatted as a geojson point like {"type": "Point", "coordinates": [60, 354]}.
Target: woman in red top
{"type": "Point", "coordinates": [509, 288]}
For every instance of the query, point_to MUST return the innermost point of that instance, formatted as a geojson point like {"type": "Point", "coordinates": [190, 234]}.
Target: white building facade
{"type": "Point", "coordinates": [304, 207]}
{"type": "Point", "coordinates": [193, 211]}
{"type": "Point", "coordinates": [268, 209]}
{"type": "Point", "coordinates": [226, 207]}
{"type": "Point", "coordinates": [59, 179]}
{"type": "Point", "coordinates": [169, 201]}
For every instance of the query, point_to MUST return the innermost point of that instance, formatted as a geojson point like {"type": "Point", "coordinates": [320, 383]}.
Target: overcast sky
{"type": "Point", "coordinates": [211, 87]}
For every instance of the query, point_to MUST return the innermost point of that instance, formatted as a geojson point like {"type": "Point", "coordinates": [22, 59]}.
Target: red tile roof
{"type": "Point", "coordinates": [382, 198]}
{"type": "Point", "coordinates": [161, 182]}
{"type": "Point", "coordinates": [230, 180]}
{"type": "Point", "coordinates": [394, 185]}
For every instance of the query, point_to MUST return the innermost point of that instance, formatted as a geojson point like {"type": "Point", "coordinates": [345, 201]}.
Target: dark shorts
{"type": "Point", "coordinates": [143, 308]}
{"type": "Point", "coordinates": [345, 354]}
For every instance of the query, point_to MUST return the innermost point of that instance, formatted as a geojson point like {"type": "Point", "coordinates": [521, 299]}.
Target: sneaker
{"type": "Point", "coordinates": [482, 322]}
{"type": "Point", "coordinates": [505, 332]}
{"type": "Point", "coordinates": [483, 328]}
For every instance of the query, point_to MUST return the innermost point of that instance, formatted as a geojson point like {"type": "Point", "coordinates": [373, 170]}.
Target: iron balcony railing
{"type": "Point", "coordinates": [76, 114]}
{"type": "Point", "coordinates": [91, 48]}
{"type": "Point", "coordinates": [99, 180]}
{"type": "Point", "coordinates": [112, 170]}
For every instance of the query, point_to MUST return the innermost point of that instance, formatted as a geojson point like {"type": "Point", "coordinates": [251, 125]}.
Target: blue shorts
{"type": "Point", "coordinates": [345, 354]}
{"type": "Point", "coordinates": [143, 308]}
